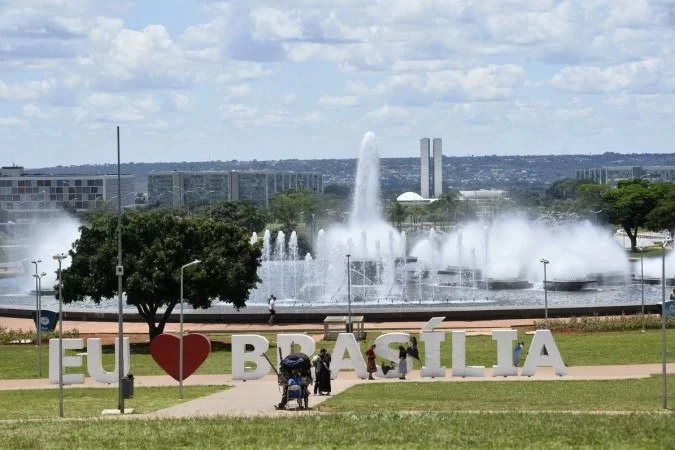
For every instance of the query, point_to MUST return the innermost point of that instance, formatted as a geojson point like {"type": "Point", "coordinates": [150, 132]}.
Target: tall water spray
{"type": "Point", "coordinates": [367, 208]}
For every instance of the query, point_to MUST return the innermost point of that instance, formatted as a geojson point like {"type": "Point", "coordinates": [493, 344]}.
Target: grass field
{"type": "Point", "coordinates": [577, 349]}
{"type": "Point", "coordinates": [534, 395]}
{"type": "Point", "coordinates": [89, 402]}
{"type": "Point", "coordinates": [374, 430]}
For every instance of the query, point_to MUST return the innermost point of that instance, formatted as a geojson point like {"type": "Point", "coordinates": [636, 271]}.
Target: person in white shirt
{"type": "Point", "coordinates": [270, 305]}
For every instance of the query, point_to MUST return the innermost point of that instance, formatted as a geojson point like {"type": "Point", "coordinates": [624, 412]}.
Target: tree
{"type": "Point", "coordinates": [397, 214]}
{"type": "Point", "coordinates": [662, 217]}
{"type": "Point", "coordinates": [155, 246]}
{"type": "Point", "coordinates": [246, 214]}
{"type": "Point", "coordinates": [287, 206]}
{"type": "Point", "coordinates": [629, 204]}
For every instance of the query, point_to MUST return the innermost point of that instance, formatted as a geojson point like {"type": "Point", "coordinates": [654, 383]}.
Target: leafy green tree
{"type": "Point", "coordinates": [246, 214]}
{"type": "Point", "coordinates": [629, 204]}
{"type": "Point", "coordinates": [287, 206]}
{"type": "Point", "coordinates": [397, 214]}
{"type": "Point", "coordinates": [662, 217]}
{"type": "Point", "coordinates": [592, 197]}
{"type": "Point", "coordinates": [155, 246]}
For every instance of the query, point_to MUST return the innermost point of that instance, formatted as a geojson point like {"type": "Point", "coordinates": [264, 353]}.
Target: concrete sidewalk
{"type": "Point", "coordinates": [258, 397]}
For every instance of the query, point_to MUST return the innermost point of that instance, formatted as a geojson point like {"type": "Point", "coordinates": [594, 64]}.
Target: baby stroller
{"type": "Point", "coordinates": [295, 376]}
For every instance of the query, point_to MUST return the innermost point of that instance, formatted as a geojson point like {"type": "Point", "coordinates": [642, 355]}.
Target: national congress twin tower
{"type": "Point", "coordinates": [431, 176]}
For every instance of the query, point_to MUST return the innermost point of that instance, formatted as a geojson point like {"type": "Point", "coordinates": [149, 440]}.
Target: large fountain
{"type": "Point", "coordinates": [465, 265]}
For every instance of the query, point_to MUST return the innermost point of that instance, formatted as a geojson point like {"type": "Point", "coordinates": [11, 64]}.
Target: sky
{"type": "Point", "coordinates": [199, 80]}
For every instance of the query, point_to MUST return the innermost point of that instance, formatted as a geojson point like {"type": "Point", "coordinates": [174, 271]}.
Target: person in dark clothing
{"type": "Point", "coordinates": [323, 375]}
{"type": "Point", "coordinates": [402, 362]}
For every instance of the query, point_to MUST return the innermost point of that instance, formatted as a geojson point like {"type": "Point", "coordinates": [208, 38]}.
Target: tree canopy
{"type": "Point", "coordinates": [155, 246]}
{"type": "Point", "coordinates": [246, 214]}
{"type": "Point", "coordinates": [630, 203]}
{"type": "Point", "coordinates": [287, 206]}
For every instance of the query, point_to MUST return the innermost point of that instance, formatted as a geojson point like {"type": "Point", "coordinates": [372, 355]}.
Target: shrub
{"type": "Point", "coordinates": [606, 323]}
{"type": "Point", "coordinates": [7, 336]}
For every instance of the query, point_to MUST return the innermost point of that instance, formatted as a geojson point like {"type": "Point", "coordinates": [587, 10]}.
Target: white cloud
{"type": "Point", "coordinates": [271, 23]}
{"type": "Point", "coordinates": [288, 98]}
{"type": "Point", "coordinates": [334, 102]}
{"type": "Point", "coordinates": [33, 111]}
{"type": "Point", "coordinates": [241, 90]}
{"type": "Point", "coordinates": [388, 114]}
{"type": "Point", "coordinates": [11, 121]}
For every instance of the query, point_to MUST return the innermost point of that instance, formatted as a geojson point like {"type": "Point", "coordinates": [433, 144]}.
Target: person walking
{"type": "Point", "coordinates": [402, 362]}
{"type": "Point", "coordinates": [323, 377]}
{"type": "Point", "coordinates": [371, 366]}
{"type": "Point", "coordinates": [270, 305]}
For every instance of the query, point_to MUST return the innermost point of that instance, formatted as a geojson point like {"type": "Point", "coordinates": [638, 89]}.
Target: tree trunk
{"type": "Point", "coordinates": [155, 328]}
{"type": "Point", "coordinates": [633, 238]}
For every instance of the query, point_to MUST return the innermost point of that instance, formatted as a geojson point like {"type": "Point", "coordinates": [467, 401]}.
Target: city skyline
{"type": "Point", "coordinates": [199, 80]}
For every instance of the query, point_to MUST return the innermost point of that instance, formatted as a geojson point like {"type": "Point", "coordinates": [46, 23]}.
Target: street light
{"type": "Point", "coordinates": [37, 312]}
{"type": "Point", "coordinates": [349, 294]}
{"type": "Point", "coordinates": [60, 257]}
{"type": "Point", "coordinates": [642, 285]}
{"type": "Point", "coordinates": [595, 215]}
{"type": "Point", "coordinates": [663, 322]}
{"type": "Point", "coordinates": [180, 350]}
{"type": "Point", "coordinates": [545, 262]}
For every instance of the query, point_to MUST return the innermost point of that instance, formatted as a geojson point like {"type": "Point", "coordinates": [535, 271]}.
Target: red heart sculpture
{"type": "Point", "coordinates": [165, 350]}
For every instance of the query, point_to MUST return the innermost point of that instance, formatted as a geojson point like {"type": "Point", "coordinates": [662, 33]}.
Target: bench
{"type": "Point", "coordinates": [334, 325]}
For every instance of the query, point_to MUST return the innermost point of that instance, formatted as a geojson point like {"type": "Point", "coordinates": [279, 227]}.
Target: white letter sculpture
{"type": "Point", "coordinates": [306, 343]}
{"type": "Point", "coordinates": [383, 350]}
{"type": "Point", "coordinates": [95, 363]}
{"type": "Point", "coordinates": [240, 356]}
{"type": "Point", "coordinates": [68, 361]}
{"type": "Point", "coordinates": [459, 368]}
{"type": "Point", "coordinates": [354, 359]}
{"type": "Point", "coordinates": [543, 338]}
{"type": "Point", "coordinates": [504, 365]}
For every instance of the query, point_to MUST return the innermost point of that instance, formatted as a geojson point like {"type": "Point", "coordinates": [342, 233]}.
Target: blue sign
{"type": "Point", "coordinates": [670, 308]}
{"type": "Point", "coordinates": [48, 320]}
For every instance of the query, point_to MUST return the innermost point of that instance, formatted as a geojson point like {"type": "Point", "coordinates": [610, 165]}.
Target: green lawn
{"type": "Point", "coordinates": [535, 395]}
{"type": "Point", "coordinates": [89, 402]}
{"type": "Point", "coordinates": [630, 347]}
{"type": "Point", "coordinates": [379, 430]}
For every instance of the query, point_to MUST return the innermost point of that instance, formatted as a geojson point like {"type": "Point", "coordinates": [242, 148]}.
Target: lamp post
{"type": "Point", "coordinates": [349, 295]}
{"type": "Point", "coordinates": [545, 262]}
{"type": "Point", "coordinates": [312, 233]}
{"type": "Point", "coordinates": [663, 323]}
{"type": "Point", "coordinates": [37, 312]}
{"type": "Point", "coordinates": [60, 257]}
{"type": "Point", "coordinates": [180, 349]}
{"type": "Point", "coordinates": [119, 271]}
{"type": "Point", "coordinates": [642, 286]}
{"type": "Point", "coordinates": [595, 215]}
{"type": "Point", "coordinates": [39, 324]}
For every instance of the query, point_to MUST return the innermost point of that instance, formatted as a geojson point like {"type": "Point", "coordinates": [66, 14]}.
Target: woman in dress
{"type": "Point", "coordinates": [402, 362]}
{"type": "Point", "coordinates": [323, 376]}
{"type": "Point", "coordinates": [372, 366]}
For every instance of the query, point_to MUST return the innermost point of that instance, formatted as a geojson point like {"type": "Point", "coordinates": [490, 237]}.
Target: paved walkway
{"type": "Point", "coordinates": [257, 397]}
{"type": "Point", "coordinates": [142, 328]}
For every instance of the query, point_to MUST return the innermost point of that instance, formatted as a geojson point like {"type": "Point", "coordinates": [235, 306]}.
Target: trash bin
{"type": "Point", "coordinates": [349, 327]}
{"type": "Point", "coordinates": [48, 320]}
{"type": "Point", "coordinates": [128, 386]}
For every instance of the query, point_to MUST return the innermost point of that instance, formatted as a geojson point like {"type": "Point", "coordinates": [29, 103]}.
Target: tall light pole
{"type": "Point", "coordinates": [595, 215]}
{"type": "Point", "coordinates": [663, 323]}
{"type": "Point", "coordinates": [38, 279]}
{"type": "Point", "coordinates": [37, 312]}
{"type": "Point", "coordinates": [312, 234]}
{"type": "Point", "coordinates": [60, 257]}
{"type": "Point", "coordinates": [349, 295]}
{"type": "Point", "coordinates": [642, 285]}
{"type": "Point", "coordinates": [119, 270]}
{"type": "Point", "coordinates": [180, 349]}
{"type": "Point", "coordinates": [545, 262]}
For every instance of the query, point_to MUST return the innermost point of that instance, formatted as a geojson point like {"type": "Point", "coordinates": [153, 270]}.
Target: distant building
{"type": "Point", "coordinates": [28, 196]}
{"type": "Point", "coordinates": [413, 198]}
{"type": "Point", "coordinates": [482, 195]}
{"type": "Point", "coordinates": [612, 175]}
{"type": "Point", "coordinates": [178, 188]}
{"type": "Point", "coordinates": [431, 168]}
